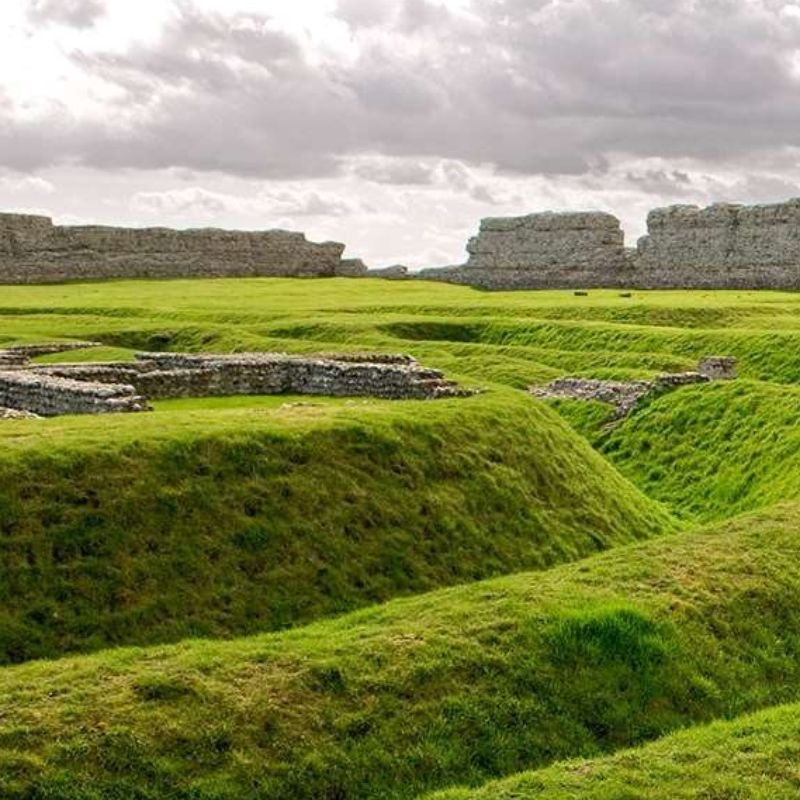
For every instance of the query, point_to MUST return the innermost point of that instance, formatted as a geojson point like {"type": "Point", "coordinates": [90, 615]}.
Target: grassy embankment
{"type": "Point", "coordinates": [244, 515]}
{"type": "Point", "coordinates": [754, 757]}
{"type": "Point", "coordinates": [711, 452]}
{"type": "Point", "coordinates": [452, 687]}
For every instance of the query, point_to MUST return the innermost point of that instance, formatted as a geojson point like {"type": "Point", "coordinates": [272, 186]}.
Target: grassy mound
{"type": "Point", "coordinates": [456, 686]}
{"type": "Point", "coordinates": [237, 515]}
{"type": "Point", "coordinates": [755, 757]}
{"type": "Point", "coordinates": [713, 451]}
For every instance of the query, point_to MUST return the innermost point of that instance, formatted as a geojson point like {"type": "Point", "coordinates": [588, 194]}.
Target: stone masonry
{"type": "Point", "coordinates": [33, 250]}
{"type": "Point", "coordinates": [48, 396]}
{"type": "Point", "coordinates": [542, 251]}
{"type": "Point", "coordinates": [87, 388]}
{"type": "Point", "coordinates": [625, 396]}
{"type": "Point", "coordinates": [723, 246]}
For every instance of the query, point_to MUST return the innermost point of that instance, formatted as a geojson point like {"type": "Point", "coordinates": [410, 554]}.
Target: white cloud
{"type": "Point", "coordinates": [26, 184]}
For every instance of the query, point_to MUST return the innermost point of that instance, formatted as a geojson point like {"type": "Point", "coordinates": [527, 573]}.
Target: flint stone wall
{"type": "Point", "coordinates": [542, 251]}
{"type": "Point", "coordinates": [182, 375]}
{"type": "Point", "coordinates": [49, 395]}
{"type": "Point", "coordinates": [20, 354]}
{"type": "Point", "coordinates": [33, 250]}
{"type": "Point", "coordinates": [123, 386]}
{"type": "Point", "coordinates": [724, 245]}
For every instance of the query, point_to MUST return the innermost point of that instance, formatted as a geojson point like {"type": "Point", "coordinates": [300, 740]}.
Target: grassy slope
{"type": "Point", "coordinates": [752, 758]}
{"type": "Point", "coordinates": [713, 451]}
{"type": "Point", "coordinates": [234, 516]}
{"type": "Point", "coordinates": [452, 687]}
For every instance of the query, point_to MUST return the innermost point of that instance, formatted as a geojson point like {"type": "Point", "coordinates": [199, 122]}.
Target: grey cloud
{"type": "Point", "coordinates": [75, 13]}
{"type": "Point", "coordinates": [540, 87]}
{"type": "Point", "coordinates": [662, 182]}
{"type": "Point", "coordinates": [393, 171]}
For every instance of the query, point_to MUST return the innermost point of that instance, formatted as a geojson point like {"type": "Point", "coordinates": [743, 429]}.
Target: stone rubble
{"type": "Point", "coordinates": [625, 396]}
{"type": "Point", "coordinates": [15, 413]}
{"type": "Point", "coordinates": [396, 272]}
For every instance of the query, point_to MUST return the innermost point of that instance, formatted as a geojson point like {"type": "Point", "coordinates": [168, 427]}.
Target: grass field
{"type": "Point", "coordinates": [216, 524]}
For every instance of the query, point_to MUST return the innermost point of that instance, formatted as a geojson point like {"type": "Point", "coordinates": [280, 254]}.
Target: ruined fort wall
{"type": "Point", "coordinates": [542, 251]}
{"type": "Point", "coordinates": [722, 246]}
{"type": "Point", "coordinates": [33, 250]}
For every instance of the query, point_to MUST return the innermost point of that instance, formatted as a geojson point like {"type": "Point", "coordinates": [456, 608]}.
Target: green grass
{"type": "Point", "coordinates": [713, 451]}
{"type": "Point", "coordinates": [752, 758]}
{"type": "Point", "coordinates": [457, 686]}
{"type": "Point", "coordinates": [230, 516]}
{"type": "Point", "coordinates": [236, 515]}
{"type": "Point", "coordinates": [511, 338]}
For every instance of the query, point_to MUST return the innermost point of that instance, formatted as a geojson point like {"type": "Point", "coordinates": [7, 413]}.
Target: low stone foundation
{"type": "Point", "coordinates": [20, 354]}
{"type": "Point", "coordinates": [49, 390]}
{"type": "Point", "coordinates": [626, 395]}
{"type": "Point", "coordinates": [48, 395]}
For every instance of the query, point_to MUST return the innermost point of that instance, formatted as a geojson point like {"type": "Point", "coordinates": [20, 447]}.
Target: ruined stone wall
{"type": "Point", "coordinates": [625, 396]}
{"type": "Point", "coordinates": [48, 395]}
{"type": "Point", "coordinates": [722, 246]}
{"type": "Point", "coordinates": [184, 375]}
{"type": "Point", "coordinates": [22, 353]}
{"type": "Point", "coordinates": [542, 251]}
{"type": "Point", "coordinates": [123, 386]}
{"type": "Point", "coordinates": [33, 250]}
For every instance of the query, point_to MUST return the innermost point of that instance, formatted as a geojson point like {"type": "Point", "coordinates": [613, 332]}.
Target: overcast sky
{"type": "Point", "coordinates": [393, 125]}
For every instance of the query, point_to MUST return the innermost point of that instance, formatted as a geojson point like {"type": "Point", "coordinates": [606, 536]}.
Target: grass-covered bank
{"type": "Point", "coordinates": [710, 452]}
{"type": "Point", "coordinates": [230, 516]}
{"type": "Point", "coordinates": [754, 757]}
{"type": "Point", "coordinates": [457, 686]}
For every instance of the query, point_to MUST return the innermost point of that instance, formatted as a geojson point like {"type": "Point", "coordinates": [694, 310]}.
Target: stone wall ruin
{"type": "Point", "coordinates": [625, 396]}
{"type": "Point", "coordinates": [724, 246]}
{"type": "Point", "coordinates": [96, 388]}
{"type": "Point", "coordinates": [33, 250]}
{"type": "Point", "coordinates": [543, 251]}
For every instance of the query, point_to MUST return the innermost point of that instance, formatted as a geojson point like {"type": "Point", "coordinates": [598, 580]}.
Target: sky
{"type": "Point", "coordinates": [393, 126]}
